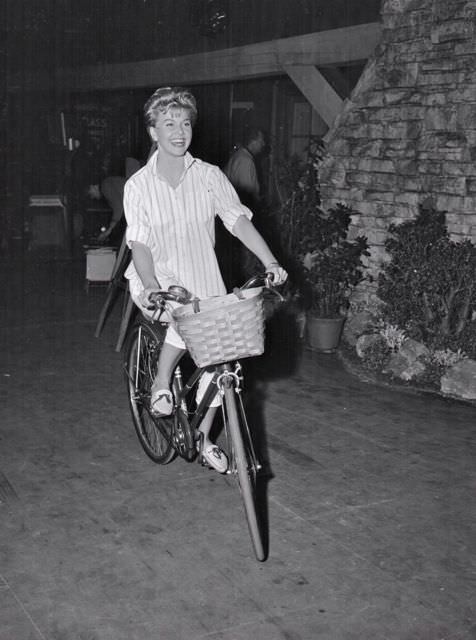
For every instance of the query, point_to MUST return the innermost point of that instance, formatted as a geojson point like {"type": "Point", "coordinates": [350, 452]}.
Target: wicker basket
{"type": "Point", "coordinates": [224, 328]}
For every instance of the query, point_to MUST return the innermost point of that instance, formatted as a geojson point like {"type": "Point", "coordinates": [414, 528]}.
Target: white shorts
{"type": "Point", "coordinates": [171, 337]}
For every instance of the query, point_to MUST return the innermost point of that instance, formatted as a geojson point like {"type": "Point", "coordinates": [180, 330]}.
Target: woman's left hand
{"type": "Point", "coordinates": [280, 275]}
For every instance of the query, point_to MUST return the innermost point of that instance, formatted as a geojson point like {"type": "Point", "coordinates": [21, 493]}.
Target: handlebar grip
{"type": "Point", "coordinates": [174, 293]}
{"type": "Point", "coordinates": [179, 293]}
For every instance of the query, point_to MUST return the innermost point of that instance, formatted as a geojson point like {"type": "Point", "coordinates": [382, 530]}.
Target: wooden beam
{"type": "Point", "coordinates": [317, 90]}
{"type": "Point", "coordinates": [333, 47]}
{"type": "Point", "coordinates": [338, 80]}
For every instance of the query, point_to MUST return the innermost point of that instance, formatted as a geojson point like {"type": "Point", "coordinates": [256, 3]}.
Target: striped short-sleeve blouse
{"type": "Point", "coordinates": [178, 224]}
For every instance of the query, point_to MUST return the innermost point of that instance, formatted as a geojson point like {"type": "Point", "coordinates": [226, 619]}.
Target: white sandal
{"type": "Point", "coordinates": [161, 401]}
{"type": "Point", "coordinates": [215, 458]}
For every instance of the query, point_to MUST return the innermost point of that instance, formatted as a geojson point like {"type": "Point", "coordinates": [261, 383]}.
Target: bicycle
{"type": "Point", "coordinates": [165, 438]}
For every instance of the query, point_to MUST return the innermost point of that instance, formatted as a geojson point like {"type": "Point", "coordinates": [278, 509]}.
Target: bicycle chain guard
{"type": "Point", "coordinates": [183, 437]}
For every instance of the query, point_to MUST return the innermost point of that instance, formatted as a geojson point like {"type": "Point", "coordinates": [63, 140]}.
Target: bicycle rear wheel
{"type": "Point", "coordinates": [245, 468]}
{"type": "Point", "coordinates": [155, 434]}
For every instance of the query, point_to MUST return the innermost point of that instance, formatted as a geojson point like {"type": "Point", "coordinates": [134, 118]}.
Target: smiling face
{"type": "Point", "coordinates": [172, 131]}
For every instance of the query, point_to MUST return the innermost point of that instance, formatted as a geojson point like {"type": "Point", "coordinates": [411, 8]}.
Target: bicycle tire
{"type": "Point", "coordinates": [245, 470]}
{"type": "Point", "coordinates": [155, 434]}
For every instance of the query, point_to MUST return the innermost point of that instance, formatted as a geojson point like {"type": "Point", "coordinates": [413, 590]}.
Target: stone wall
{"type": "Point", "coordinates": [408, 131]}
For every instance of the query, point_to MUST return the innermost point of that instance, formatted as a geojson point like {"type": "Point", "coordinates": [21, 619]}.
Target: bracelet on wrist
{"type": "Point", "coordinates": [271, 264]}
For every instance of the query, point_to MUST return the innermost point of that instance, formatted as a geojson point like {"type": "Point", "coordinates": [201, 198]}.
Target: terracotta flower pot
{"type": "Point", "coordinates": [323, 334]}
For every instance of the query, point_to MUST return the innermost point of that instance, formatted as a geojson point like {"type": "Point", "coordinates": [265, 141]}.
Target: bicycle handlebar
{"type": "Point", "coordinates": [176, 293]}
{"type": "Point", "coordinates": [266, 280]}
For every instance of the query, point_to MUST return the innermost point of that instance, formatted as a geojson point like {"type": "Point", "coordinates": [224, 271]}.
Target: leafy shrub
{"type": "Point", "coordinates": [436, 364]}
{"type": "Point", "coordinates": [297, 187]}
{"type": "Point", "coordinates": [429, 284]}
{"type": "Point", "coordinates": [393, 336]}
{"type": "Point", "coordinates": [333, 264]}
{"type": "Point", "coordinates": [447, 358]}
{"type": "Point", "coordinates": [367, 303]}
{"type": "Point", "coordinates": [376, 355]}
{"type": "Point", "coordinates": [323, 265]}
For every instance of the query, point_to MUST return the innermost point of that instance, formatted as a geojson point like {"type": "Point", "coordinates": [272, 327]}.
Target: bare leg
{"type": "Point", "coordinates": [168, 359]}
{"type": "Point", "coordinates": [161, 398]}
{"type": "Point", "coordinates": [206, 424]}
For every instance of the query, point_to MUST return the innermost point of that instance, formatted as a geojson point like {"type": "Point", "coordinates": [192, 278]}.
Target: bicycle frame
{"type": "Point", "coordinates": [182, 390]}
{"type": "Point", "coordinates": [225, 375]}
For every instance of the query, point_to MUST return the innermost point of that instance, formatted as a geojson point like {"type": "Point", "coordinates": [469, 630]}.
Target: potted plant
{"type": "Point", "coordinates": [324, 266]}
{"type": "Point", "coordinates": [333, 267]}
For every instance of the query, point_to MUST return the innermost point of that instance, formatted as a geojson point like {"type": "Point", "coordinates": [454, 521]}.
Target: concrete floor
{"type": "Point", "coordinates": [371, 502]}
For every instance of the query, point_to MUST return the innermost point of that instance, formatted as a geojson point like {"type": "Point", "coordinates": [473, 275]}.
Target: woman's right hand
{"type": "Point", "coordinates": [166, 309]}
{"type": "Point", "coordinates": [144, 296]}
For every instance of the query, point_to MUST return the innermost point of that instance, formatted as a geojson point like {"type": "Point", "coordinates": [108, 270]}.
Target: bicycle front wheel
{"type": "Point", "coordinates": [244, 465]}
{"type": "Point", "coordinates": [155, 434]}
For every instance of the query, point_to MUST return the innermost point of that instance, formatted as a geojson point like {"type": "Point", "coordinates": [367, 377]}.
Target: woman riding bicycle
{"type": "Point", "coordinates": [170, 207]}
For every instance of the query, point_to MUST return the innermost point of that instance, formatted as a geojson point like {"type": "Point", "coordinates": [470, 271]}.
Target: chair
{"type": "Point", "coordinates": [117, 284]}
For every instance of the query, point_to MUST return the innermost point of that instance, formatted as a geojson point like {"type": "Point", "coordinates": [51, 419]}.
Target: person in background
{"type": "Point", "coordinates": [241, 167]}
{"type": "Point", "coordinates": [112, 189]}
{"type": "Point", "coordinates": [237, 261]}
{"type": "Point", "coordinates": [170, 206]}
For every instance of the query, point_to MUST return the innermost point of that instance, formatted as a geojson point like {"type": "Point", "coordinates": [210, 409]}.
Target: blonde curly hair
{"type": "Point", "coordinates": [166, 98]}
